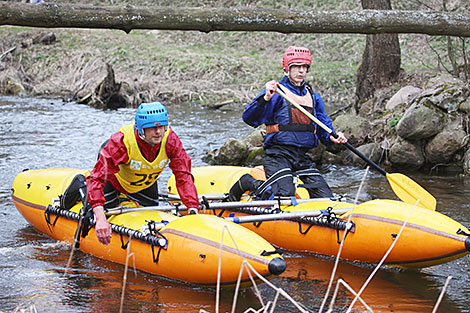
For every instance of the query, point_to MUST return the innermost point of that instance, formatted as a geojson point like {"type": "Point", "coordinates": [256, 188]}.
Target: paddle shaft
{"type": "Point", "coordinates": [362, 156]}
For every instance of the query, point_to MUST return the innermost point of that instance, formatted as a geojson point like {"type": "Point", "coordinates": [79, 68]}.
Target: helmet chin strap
{"type": "Point", "coordinates": [143, 137]}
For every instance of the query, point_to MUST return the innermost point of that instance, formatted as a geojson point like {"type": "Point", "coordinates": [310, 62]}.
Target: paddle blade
{"type": "Point", "coordinates": [409, 191]}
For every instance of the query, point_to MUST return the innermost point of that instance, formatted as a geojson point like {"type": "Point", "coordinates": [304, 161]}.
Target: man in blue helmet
{"type": "Point", "coordinates": [130, 163]}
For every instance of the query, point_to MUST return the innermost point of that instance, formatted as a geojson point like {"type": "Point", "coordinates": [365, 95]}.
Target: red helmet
{"type": "Point", "coordinates": [296, 55]}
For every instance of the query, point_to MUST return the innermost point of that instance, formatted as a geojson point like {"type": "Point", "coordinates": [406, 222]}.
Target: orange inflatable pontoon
{"type": "Point", "coordinates": [429, 237]}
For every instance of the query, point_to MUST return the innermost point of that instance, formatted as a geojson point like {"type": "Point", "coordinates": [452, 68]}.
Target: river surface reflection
{"type": "Point", "coordinates": [42, 133]}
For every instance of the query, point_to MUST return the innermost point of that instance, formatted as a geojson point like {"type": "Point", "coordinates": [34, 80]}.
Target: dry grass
{"type": "Point", "coordinates": [187, 66]}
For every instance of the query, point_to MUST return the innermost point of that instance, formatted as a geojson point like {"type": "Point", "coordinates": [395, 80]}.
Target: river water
{"type": "Point", "coordinates": [42, 133]}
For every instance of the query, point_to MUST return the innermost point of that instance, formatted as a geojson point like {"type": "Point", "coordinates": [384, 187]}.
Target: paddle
{"type": "Point", "coordinates": [404, 187]}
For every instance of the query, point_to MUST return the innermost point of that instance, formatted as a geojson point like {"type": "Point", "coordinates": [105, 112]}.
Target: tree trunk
{"type": "Point", "coordinates": [381, 59]}
{"type": "Point", "coordinates": [207, 19]}
{"type": "Point", "coordinates": [111, 95]}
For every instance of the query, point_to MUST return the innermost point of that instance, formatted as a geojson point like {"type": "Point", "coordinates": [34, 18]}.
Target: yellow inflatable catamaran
{"type": "Point", "coordinates": [429, 237]}
{"type": "Point", "coordinates": [183, 248]}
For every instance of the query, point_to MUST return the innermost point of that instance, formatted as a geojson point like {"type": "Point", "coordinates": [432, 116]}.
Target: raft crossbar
{"type": "Point", "coordinates": [320, 220]}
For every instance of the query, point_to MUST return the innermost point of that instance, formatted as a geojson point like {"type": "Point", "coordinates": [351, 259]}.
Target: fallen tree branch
{"type": "Point", "coordinates": [205, 19]}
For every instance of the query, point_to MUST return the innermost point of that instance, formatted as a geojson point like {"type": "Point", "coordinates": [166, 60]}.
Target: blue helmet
{"type": "Point", "coordinates": [150, 115]}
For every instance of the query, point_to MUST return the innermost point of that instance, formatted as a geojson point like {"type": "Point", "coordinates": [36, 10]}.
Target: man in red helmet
{"type": "Point", "coordinates": [290, 134]}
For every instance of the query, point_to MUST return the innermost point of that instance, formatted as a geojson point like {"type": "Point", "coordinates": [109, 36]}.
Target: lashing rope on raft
{"type": "Point", "coordinates": [154, 240]}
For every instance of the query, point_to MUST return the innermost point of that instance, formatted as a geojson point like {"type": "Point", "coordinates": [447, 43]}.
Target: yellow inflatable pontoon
{"type": "Point", "coordinates": [182, 248]}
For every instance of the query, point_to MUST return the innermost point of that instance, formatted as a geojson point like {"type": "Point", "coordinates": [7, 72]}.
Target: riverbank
{"type": "Point", "coordinates": [177, 66]}
{"type": "Point", "coordinates": [229, 68]}
{"type": "Point", "coordinates": [212, 69]}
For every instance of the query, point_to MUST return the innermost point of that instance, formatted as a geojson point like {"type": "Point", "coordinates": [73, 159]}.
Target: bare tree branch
{"type": "Point", "coordinates": [439, 59]}
{"type": "Point", "coordinates": [6, 52]}
{"type": "Point", "coordinates": [466, 66]}
{"type": "Point", "coordinates": [451, 55]}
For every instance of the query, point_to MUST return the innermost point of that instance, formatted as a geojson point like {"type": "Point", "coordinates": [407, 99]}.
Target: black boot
{"type": "Point", "coordinates": [244, 184]}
